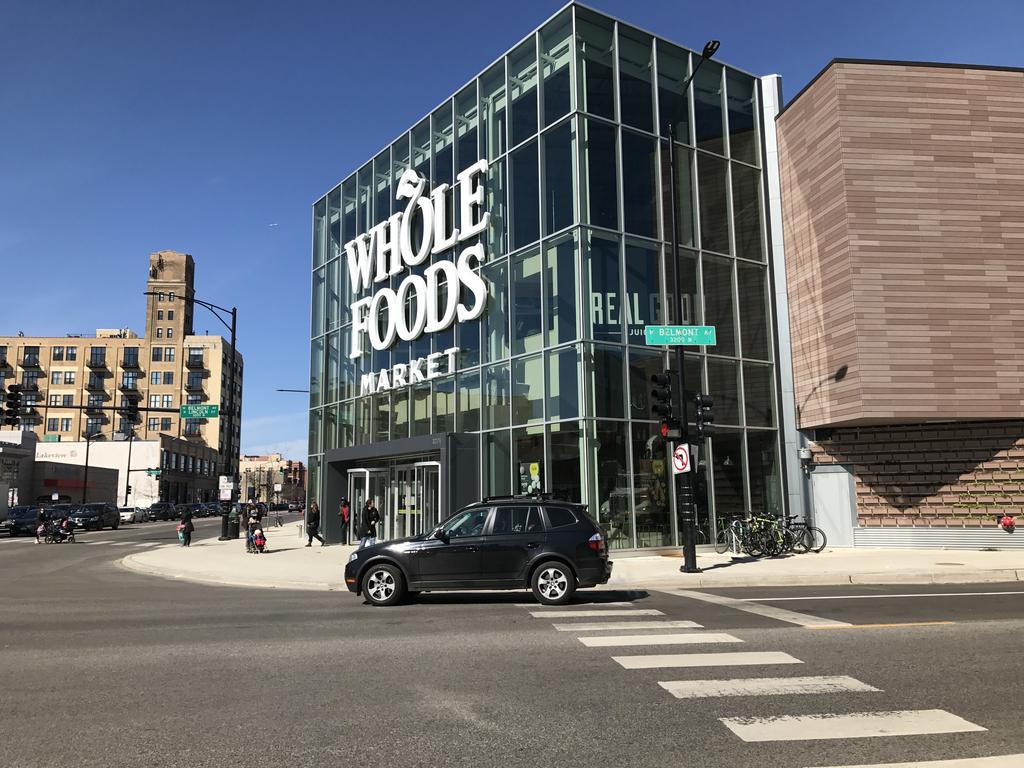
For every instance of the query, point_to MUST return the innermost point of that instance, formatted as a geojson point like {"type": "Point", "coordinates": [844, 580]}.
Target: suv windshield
{"type": "Point", "coordinates": [94, 507]}
{"type": "Point", "coordinates": [22, 512]}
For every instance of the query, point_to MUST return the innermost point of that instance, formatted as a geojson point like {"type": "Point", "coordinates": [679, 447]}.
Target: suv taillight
{"type": "Point", "coordinates": [596, 542]}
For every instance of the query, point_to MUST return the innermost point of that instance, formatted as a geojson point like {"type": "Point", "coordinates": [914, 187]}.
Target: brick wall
{"type": "Point", "coordinates": [932, 475]}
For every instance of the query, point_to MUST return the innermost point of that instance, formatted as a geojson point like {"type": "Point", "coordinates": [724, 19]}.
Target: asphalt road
{"type": "Point", "coordinates": [104, 667]}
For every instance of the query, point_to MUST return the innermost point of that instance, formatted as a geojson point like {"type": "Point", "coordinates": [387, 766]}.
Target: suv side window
{"type": "Point", "coordinates": [468, 523]}
{"type": "Point", "coordinates": [513, 520]}
{"type": "Point", "coordinates": [559, 517]}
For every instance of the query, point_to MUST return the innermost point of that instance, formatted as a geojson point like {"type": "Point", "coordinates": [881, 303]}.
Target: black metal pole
{"type": "Point", "coordinates": [128, 471]}
{"type": "Point", "coordinates": [85, 481]}
{"type": "Point", "coordinates": [231, 407]}
{"type": "Point", "coordinates": [685, 511]}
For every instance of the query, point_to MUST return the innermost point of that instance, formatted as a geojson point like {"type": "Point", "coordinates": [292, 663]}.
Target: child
{"type": "Point", "coordinates": [259, 540]}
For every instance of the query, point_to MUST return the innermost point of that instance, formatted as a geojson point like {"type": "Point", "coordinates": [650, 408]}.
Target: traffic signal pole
{"type": "Point", "coordinates": [686, 511]}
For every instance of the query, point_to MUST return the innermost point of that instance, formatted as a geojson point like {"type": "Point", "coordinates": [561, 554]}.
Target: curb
{"type": "Point", "coordinates": [1007, 575]}
{"type": "Point", "coordinates": [128, 563]}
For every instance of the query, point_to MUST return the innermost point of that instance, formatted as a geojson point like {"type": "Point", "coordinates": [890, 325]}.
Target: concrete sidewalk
{"type": "Point", "coordinates": [290, 565]}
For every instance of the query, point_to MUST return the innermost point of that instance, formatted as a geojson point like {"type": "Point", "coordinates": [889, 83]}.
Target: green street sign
{"type": "Point", "coordinates": [690, 335]}
{"type": "Point", "coordinates": [153, 472]}
{"type": "Point", "coordinates": [51, 438]}
{"type": "Point", "coordinates": [199, 411]}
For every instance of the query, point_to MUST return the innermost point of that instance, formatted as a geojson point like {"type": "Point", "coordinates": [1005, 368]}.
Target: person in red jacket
{"type": "Point", "coordinates": [345, 515]}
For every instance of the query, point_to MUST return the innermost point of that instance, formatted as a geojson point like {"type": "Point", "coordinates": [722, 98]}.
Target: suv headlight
{"type": "Point", "coordinates": [353, 556]}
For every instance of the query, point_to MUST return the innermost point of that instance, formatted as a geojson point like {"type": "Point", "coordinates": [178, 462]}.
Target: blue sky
{"type": "Point", "coordinates": [211, 128]}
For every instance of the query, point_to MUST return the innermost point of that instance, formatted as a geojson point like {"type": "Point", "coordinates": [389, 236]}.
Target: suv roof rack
{"type": "Point", "coordinates": [525, 496]}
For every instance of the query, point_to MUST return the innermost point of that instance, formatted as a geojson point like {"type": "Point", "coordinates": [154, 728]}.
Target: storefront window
{"type": "Point", "coordinates": [714, 203]}
{"type": "Point", "coordinates": [334, 241]}
{"type": "Point", "coordinates": [349, 218]}
{"type": "Point", "coordinates": [673, 69]}
{"type": "Point", "coordinates": [611, 470]}
{"type": "Point", "coordinates": [319, 224]}
{"type": "Point", "coordinates": [728, 459]}
{"type": "Point", "coordinates": [564, 367]}
{"type": "Point", "coordinates": [497, 400]}
{"type": "Point", "coordinates": [650, 487]}
{"type": "Point", "coordinates": [642, 365]}
{"type": "Point", "coordinates": [639, 185]}
{"type": "Point", "coordinates": [331, 374]}
{"type": "Point", "coordinates": [346, 429]}
{"type": "Point", "coordinates": [528, 390]}
{"type": "Point", "coordinates": [362, 421]}
{"type": "Point", "coordinates": [595, 63]}
{"type": "Point", "coordinates": [718, 303]}
{"type": "Point", "coordinates": [559, 177]}
{"type": "Point", "coordinates": [723, 386]}
{"type": "Point", "coordinates": [331, 290]}
{"type": "Point", "coordinates": [421, 410]}
{"type": "Point", "coordinates": [493, 109]}
{"type": "Point", "coordinates": [754, 326]}
{"type": "Point", "coordinates": [742, 121]}
{"type": "Point", "coordinates": [315, 420]}
{"type": "Point", "coordinates": [642, 301]}
{"type": "Point", "coordinates": [635, 69]}
{"type": "Point", "coordinates": [319, 280]}
{"type": "Point", "coordinates": [604, 287]}
{"type": "Point", "coordinates": [689, 288]}
{"type": "Point", "coordinates": [757, 395]}
{"type": "Point", "coordinates": [566, 451]}
{"type": "Point", "coordinates": [444, 405]}
{"type": "Point", "coordinates": [556, 54]}
{"type": "Point", "coordinates": [528, 460]}
{"type": "Point", "coordinates": [686, 212]}
{"type": "Point", "coordinates": [381, 406]}
{"type": "Point", "coordinates": [707, 107]}
{"type": "Point", "coordinates": [364, 185]}
{"type": "Point", "coordinates": [469, 402]}
{"type": "Point", "coordinates": [382, 186]}
{"type": "Point", "coordinates": [400, 414]}
{"type": "Point", "coordinates": [765, 493]}
{"type": "Point", "coordinates": [497, 476]}
{"type": "Point", "coordinates": [444, 149]}
{"type": "Point", "coordinates": [746, 207]}
{"type": "Point", "coordinates": [330, 437]}
{"type": "Point", "coordinates": [466, 128]}
{"type": "Point", "coordinates": [605, 369]}
{"type": "Point", "coordinates": [525, 196]}
{"type": "Point", "coordinates": [468, 334]}
{"type": "Point", "coordinates": [562, 285]}
{"type": "Point", "coordinates": [494, 195]}
{"type": "Point", "coordinates": [522, 85]}
{"type": "Point", "coordinates": [599, 188]}
{"type": "Point", "coordinates": [496, 317]}
{"type": "Point", "coordinates": [526, 303]}
{"type": "Point", "coordinates": [316, 372]}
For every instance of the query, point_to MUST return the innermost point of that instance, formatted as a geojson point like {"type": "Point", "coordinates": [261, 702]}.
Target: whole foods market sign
{"type": "Point", "coordinates": [407, 239]}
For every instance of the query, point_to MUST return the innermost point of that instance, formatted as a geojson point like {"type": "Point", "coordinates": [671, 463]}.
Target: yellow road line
{"type": "Point", "coordinates": [882, 626]}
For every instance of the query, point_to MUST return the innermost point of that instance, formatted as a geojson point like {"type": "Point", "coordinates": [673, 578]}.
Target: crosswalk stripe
{"type": "Point", "coordinates": [780, 614]}
{"type": "Point", "coordinates": [688, 638]}
{"type": "Point", "coordinates": [592, 614]}
{"type": "Point", "coordinates": [593, 626]}
{"type": "Point", "coordinates": [726, 659]}
{"type": "Point", "coordinates": [580, 606]}
{"type": "Point", "coordinates": [996, 761]}
{"type": "Point", "coordinates": [858, 725]}
{"type": "Point", "coordinates": [764, 686]}
{"type": "Point", "coordinates": [122, 543]}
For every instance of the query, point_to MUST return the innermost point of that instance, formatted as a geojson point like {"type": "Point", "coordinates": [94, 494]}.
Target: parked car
{"type": "Point", "coordinates": [132, 514]}
{"type": "Point", "coordinates": [551, 547]}
{"type": "Point", "coordinates": [97, 516]}
{"type": "Point", "coordinates": [22, 520]}
{"type": "Point", "coordinates": [294, 506]}
{"type": "Point", "coordinates": [160, 510]}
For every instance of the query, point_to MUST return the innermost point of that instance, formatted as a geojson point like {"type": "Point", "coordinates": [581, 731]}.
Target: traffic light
{"type": "Point", "coordinates": [12, 405]}
{"type": "Point", "coordinates": [704, 415]}
{"type": "Point", "coordinates": [129, 489]}
{"type": "Point", "coordinates": [661, 395]}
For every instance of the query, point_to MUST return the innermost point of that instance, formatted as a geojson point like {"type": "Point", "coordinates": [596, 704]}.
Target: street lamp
{"type": "Point", "coordinates": [684, 480]}
{"type": "Point", "coordinates": [89, 437]}
{"type": "Point", "coordinates": [216, 311]}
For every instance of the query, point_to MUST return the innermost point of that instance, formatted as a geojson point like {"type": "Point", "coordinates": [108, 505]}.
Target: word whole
{"type": "Point", "coordinates": [426, 303]}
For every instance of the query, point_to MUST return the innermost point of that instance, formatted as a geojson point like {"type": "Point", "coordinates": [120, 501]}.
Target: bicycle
{"type": "Point", "coordinates": [808, 538]}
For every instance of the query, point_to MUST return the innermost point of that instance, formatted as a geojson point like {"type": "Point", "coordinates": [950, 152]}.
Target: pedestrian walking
{"type": "Point", "coordinates": [345, 515]}
{"type": "Point", "coordinates": [313, 524]}
{"type": "Point", "coordinates": [187, 529]}
{"type": "Point", "coordinates": [369, 525]}
{"type": "Point", "coordinates": [40, 524]}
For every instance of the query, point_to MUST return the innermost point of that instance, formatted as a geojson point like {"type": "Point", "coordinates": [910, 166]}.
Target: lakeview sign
{"type": "Point", "coordinates": [434, 299]}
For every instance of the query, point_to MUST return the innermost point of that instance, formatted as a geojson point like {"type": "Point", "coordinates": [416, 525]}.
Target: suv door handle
{"type": "Point", "coordinates": [532, 545]}
{"type": "Point", "coordinates": [471, 549]}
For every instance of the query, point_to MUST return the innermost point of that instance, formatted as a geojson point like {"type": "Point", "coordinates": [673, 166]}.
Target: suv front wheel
{"type": "Point", "coordinates": [553, 583]}
{"type": "Point", "coordinates": [383, 585]}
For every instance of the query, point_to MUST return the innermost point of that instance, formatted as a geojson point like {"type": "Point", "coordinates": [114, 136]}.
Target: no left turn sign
{"type": "Point", "coordinates": [680, 460]}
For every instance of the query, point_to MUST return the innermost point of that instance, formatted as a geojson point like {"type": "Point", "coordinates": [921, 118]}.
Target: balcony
{"type": "Point", "coordinates": [97, 362]}
{"type": "Point", "coordinates": [29, 386]}
{"type": "Point", "coordinates": [194, 386]}
{"type": "Point", "coordinates": [195, 362]}
{"type": "Point", "coordinates": [95, 385]}
{"type": "Point", "coordinates": [30, 361]}
{"type": "Point", "coordinates": [130, 363]}
{"type": "Point", "coordinates": [129, 385]}
{"type": "Point", "coordinates": [96, 409]}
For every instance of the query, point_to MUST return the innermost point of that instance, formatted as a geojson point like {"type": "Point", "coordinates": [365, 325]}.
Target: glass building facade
{"type": "Point", "coordinates": [551, 384]}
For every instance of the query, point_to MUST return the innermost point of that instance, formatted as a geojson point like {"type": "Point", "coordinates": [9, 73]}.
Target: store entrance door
{"type": "Point", "coordinates": [363, 484]}
{"type": "Point", "coordinates": [415, 499]}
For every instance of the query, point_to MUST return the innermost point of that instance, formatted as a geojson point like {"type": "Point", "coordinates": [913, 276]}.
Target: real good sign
{"type": "Point", "coordinates": [446, 291]}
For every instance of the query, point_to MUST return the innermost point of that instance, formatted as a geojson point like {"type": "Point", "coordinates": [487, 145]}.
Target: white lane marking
{"type": "Point", "coordinates": [94, 543]}
{"type": "Point", "coordinates": [688, 638]}
{"type": "Point", "coordinates": [122, 544]}
{"type": "Point", "coordinates": [589, 614]}
{"type": "Point", "coordinates": [997, 761]}
{"type": "Point", "coordinates": [859, 725]}
{"type": "Point", "coordinates": [593, 626]}
{"type": "Point", "coordinates": [579, 605]}
{"type": "Point", "coordinates": [780, 614]}
{"type": "Point", "coordinates": [764, 686]}
{"type": "Point", "coordinates": [871, 597]}
{"type": "Point", "coordinates": [734, 659]}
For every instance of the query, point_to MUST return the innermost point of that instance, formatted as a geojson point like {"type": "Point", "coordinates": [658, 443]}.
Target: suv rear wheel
{"type": "Point", "coordinates": [553, 583]}
{"type": "Point", "coordinates": [383, 585]}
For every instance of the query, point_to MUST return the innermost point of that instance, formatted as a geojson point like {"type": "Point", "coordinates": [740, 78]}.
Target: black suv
{"type": "Point", "coordinates": [160, 510]}
{"type": "Point", "coordinates": [97, 516]}
{"type": "Point", "coordinates": [23, 519]}
{"type": "Point", "coordinates": [549, 546]}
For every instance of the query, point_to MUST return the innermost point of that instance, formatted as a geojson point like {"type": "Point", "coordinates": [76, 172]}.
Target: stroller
{"type": "Point", "coordinates": [257, 544]}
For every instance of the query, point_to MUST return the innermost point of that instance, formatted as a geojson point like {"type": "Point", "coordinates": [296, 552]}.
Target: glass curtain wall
{"type": "Point", "coordinates": [554, 377]}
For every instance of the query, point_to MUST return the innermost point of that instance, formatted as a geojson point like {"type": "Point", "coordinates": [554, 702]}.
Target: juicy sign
{"type": "Point", "coordinates": [407, 239]}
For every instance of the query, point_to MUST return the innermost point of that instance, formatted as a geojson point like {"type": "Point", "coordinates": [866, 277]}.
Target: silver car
{"type": "Point", "coordinates": [132, 514]}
